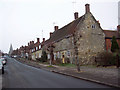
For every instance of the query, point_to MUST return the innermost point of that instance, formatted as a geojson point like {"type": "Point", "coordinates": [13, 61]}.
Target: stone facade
{"type": "Point", "coordinates": [64, 47]}
{"type": "Point", "coordinates": [88, 35]}
{"type": "Point", "coordinates": [36, 54]}
{"type": "Point", "coordinates": [90, 39]}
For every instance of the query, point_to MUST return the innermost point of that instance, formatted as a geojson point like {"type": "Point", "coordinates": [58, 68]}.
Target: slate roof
{"type": "Point", "coordinates": [65, 31]}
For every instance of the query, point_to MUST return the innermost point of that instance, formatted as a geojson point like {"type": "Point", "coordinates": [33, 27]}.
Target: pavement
{"type": "Point", "coordinates": [102, 75]}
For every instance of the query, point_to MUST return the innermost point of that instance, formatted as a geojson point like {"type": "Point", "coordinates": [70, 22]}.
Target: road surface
{"type": "Point", "coordinates": [18, 75]}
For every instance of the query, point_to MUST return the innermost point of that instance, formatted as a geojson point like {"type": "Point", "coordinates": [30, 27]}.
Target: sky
{"type": "Point", "coordinates": [119, 13]}
{"type": "Point", "coordinates": [22, 21]}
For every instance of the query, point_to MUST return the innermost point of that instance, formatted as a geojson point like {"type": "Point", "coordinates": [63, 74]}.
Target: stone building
{"type": "Point", "coordinates": [37, 49]}
{"type": "Point", "coordinates": [83, 35]}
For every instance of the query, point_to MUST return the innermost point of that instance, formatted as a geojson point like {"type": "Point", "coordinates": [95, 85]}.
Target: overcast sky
{"type": "Point", "coordinates": [24, 20]}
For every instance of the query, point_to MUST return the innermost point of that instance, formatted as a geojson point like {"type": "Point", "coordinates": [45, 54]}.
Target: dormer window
{"type": "Point", "coordinates": [93, 26]}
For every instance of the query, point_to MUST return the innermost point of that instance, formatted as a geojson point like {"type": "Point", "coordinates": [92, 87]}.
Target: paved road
{"type": "Point", "coordinates": [18, 75]}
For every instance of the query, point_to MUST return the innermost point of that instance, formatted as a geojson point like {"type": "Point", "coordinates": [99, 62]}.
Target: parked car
{"type": "Point", "coordinates": [1, 68]}
{"type": "Point", "coordinates": [3, 60]}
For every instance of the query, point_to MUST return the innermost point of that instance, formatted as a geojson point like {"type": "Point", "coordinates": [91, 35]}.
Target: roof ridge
{"type": "Point", "coordinates": [71, 22]}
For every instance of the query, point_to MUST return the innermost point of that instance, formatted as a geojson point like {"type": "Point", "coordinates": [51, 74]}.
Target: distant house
{"type": "Point", "coordinates": [108, 37]}
{"type": "Point", "coordinates": [85, 31]}
{"type": "Point", "coordinates": [37, 49]}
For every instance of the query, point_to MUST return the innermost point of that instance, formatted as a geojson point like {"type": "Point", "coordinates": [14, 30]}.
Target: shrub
{"type": "Point", "coordinates": [38, 59]}
{"type": "Point", "coordinates": [114, 46]}
{"type": "Point", "coordinates": [105, 59]}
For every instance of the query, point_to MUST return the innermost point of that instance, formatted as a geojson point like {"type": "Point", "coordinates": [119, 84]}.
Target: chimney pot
{"type": "Point", "coordinates": [76, 15]}
{"type": "Point", "coordinates": [56, 28]}
{"type": "Point", "coordinates": [87, 8]}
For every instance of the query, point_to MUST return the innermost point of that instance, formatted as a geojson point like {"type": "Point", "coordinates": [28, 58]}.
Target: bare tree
{"type": "Point", "coordinates": [76, 51]}
{"type": "Point", "coordinates": [50, 49]}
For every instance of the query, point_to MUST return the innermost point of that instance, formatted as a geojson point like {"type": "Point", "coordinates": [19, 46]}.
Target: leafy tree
{"type": "Point", "coordinates": [114, 46]}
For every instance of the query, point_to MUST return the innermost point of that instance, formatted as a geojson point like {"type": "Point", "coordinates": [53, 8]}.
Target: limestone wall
{"type": "Point", "coordinates": [91, 40]}
{"type": "Point", "coordinates": [64, 47]}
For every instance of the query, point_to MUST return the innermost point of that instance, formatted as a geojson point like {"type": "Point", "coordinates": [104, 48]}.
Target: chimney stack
{"type": "Point", "coordinates": [87, 8]}
{"type": "Point", "coordinates": [76, 15]}
{"type": "Point", "coordinates": [56, 28]}
{"type": "Point", "coordinates": [38, 40]}
{"type": "Point", "coordinates": [32, 42]}
{"type": "Point", "coordinates": [43, 39]}
{"type": "Point", "coordinates": [51, 34]}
